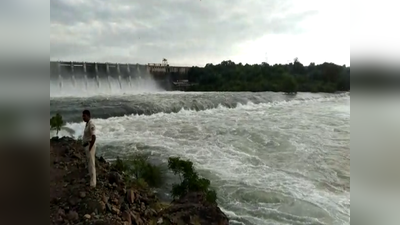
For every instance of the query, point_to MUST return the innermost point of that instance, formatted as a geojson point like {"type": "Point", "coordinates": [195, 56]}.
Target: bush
{"type": "Point", "coordinates": [142, 170]}
{"type": "Point", "coordinates": [120, 165]}
{"type": "Point", "coordinates": [56, 123]}
{"type": "Point", "coordinates": [190, 180]}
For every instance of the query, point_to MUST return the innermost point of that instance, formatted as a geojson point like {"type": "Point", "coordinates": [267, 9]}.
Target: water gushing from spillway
{"type": "Point", "coordinates": [60, 83]}
{"type": "Point", "coordinates": [73, 81]}
{"type": "Point", "coordinates": [119, 80]}
{"type": "Point", "coordinates": [86, 81]}
{"type": "Point", "coordinates": [97, 81]}
{"type": "Point", "coordinates": [109, 81]}
{"type": "Point", "coordinates": [88, 87]}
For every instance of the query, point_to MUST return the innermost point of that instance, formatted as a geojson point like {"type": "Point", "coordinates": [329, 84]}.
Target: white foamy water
{"type": "Point", "coordinates": [110, 86]}
{"type": "Point", "coordinates": [271, 163]}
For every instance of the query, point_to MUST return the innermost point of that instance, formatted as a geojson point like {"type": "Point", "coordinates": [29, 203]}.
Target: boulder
{"type": "Point", "coordinates": [194, 209]}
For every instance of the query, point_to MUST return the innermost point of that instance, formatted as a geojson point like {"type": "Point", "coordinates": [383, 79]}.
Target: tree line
{"type": "Point", "coordinates": [290, 78]}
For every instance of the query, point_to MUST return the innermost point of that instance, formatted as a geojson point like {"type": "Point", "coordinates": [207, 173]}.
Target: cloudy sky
{"type": "Point", "coordinates": [196, 32]}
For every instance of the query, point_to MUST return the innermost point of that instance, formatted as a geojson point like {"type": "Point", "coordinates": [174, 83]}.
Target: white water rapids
{"type": "Point", "coordinates": [279, 162]}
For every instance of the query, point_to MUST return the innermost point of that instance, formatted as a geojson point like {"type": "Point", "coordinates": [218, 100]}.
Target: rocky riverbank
{"type": "Point", "coordinates": [72, 201]}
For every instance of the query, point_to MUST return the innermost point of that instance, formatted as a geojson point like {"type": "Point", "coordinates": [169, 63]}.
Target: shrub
{"type": "Point", "coordinates": [119, 165]}
{"type": "Point", "coordinates": [190, 180]}
{"type": "Point", "coordinates": [56, 123]}
{"type": "Point", "coordinates": [142, 170]}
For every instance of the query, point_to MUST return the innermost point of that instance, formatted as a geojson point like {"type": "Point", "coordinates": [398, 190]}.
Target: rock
{"type": "Point", "coordinates": [76, 155]}
{"type": "Point", "coordinates": [124, 206]}
{"type": "Point", "coordinates": [60, 219]}
{"type": "Point", "coordinates": [103, 206]}
{"type": "Point", "coordinates": [73, 216]}
{"type": "Point", "coordinates": [61, 212]}
{"type": "Point", "coordinates": [144, 199]}
{"type": "Point", "coordinates": [126, 216]}
{"type": "Point", "coordinates": [87, 216]}
{"type": "Point", "coordinates": [142, 207]}
{"type": "Point", "coordinates": [131, 196]}
{"type": "Point", "coordinates": [73, 201]}
{"type": "Point", "coordinates": [115, 178]}
{"type": "Point", "coordinates": [150, 212]}
{"type": "Point", "coordinates": [115, 210]}
{"type": "Point", "coordinates": [82, 194]}
{"type": "Point", "coordinates": [194, 209]}
{"type": "Point", "coordinates": [105, 198]}
{"type": "Point", "coordinates": [101, 222]}
{"type": "Point", "coordinates": [136, 218]}
{"type": "Point", "coordinates": [89, 206]}
{"type": "Point", "coordinates": [109, 207]}
{"type": "Point", "coordinates": [115, 201]}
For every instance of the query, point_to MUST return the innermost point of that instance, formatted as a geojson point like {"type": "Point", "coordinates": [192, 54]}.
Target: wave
{"type": "Point", "coordinates": [110, 112]}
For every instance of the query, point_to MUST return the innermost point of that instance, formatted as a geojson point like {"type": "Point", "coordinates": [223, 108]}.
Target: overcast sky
{"type": "Point", "coordinates": [196, 32]}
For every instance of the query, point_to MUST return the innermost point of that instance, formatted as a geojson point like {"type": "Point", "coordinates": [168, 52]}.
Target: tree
{"type": "Point", "coordinates": [229, 76]}
{"type": "Point", "coordinates": [190, 180]}
{"type": "Point", "coordinates": [56, 123]}
{"type": "Point", "coordinates": [289, 85]}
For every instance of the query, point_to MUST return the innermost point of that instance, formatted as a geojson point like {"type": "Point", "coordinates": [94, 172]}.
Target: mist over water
{"type": "Point", "coordinates": [272, 158]}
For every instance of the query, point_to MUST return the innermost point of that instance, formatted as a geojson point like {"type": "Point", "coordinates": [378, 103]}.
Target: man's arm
{"type": "Point", "coordinates": [93, 133]}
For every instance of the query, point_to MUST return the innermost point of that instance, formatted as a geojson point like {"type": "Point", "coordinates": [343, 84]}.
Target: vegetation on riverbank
{"type": "Point", "coordinates": [56, 123]}
{"type": "Point", "coordinates": [138, 171]}
{"type": "Point", "coordinates": [289, 78]}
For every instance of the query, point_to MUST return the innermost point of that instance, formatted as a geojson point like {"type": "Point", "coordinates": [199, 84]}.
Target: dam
{"type": "Point", "coordinates": [117, 77]}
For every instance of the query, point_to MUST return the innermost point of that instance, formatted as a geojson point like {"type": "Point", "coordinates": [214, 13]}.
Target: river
{"type": "Point", "coordinates": [273, 158]}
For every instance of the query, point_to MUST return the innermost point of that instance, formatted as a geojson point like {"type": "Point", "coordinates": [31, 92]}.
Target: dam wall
{"type": "Point", "coordinates": [93, 70]}
{"type": "Point", "coordinates": [163, 74]}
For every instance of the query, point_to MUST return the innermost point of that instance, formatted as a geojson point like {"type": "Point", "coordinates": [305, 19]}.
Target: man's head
{"type": "Point", "coordinates": [86, 115]}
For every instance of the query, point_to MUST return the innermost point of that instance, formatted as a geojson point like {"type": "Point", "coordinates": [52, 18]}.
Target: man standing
{"type": "Point", "coordinates": [89, 139]}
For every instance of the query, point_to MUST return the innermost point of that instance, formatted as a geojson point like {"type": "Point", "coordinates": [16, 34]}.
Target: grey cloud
{"type": "Point", "coordinates": [147, 31]}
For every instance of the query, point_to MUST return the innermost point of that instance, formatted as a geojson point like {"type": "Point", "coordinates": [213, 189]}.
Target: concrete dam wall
{"type": "Point", "coordinates": [87, 76]}
{"type": "Point", "coordinates": [91, 70]}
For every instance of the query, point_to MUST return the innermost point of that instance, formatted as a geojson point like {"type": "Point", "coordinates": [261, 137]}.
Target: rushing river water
{"type": "Point", "coordinates": [273, 158]}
